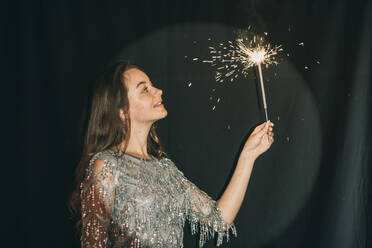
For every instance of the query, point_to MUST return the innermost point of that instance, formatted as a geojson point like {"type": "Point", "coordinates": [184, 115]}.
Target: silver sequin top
{"type": "Point", "coordinates": [134, 202]}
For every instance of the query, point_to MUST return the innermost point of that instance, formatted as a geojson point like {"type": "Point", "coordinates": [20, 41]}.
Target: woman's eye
{"type": "Point", "coordinates": [146, 89]}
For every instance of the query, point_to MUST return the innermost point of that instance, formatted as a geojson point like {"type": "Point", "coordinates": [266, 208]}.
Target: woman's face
{"type": "Point", "coordinates": [145, 102]}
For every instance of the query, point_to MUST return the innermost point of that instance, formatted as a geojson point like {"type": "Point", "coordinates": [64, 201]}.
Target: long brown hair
{"type": "Point", "coordinates": [105, 128]}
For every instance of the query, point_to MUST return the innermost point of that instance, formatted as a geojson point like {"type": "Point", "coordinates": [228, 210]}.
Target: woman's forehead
{"type": "Point", "coordinates": [134, 76]}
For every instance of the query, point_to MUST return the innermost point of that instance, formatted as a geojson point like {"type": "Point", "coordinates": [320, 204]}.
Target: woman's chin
{"type": "Point", "coordinates": [161, 115]}
{"type": "Point", "coordinates": [164, 114]}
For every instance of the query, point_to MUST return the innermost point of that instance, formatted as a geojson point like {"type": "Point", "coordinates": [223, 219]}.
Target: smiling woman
{"type": "Point", "coordinates": [129, 194]}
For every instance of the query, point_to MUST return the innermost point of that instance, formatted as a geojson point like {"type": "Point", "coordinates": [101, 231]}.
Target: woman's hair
{"type": "Point", "coordinates": [105, 128]}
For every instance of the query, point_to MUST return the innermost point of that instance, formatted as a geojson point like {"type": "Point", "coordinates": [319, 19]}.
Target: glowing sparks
{"type": "Point", "coordinates": [233, 58]}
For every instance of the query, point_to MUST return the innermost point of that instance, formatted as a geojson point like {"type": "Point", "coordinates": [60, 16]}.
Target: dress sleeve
{"type": "Point", "coordinates": [203, 213]}
{"type": "Point", "coordinates": [97, 194]}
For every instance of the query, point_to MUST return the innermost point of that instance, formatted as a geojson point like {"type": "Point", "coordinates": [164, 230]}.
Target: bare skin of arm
{"type": "Point", "coordinates": [258, 142]}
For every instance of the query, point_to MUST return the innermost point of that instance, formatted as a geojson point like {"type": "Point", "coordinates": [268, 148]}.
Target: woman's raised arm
{"type": "Point", "coordinates": [258, 142]}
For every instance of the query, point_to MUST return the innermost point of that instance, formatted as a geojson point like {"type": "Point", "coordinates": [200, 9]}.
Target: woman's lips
{"type": "Point", "coordinates": [158, 105]}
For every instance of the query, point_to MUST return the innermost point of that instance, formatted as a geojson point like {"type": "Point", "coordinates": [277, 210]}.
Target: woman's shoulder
{"type": "Point", "coordinates": [106, 157]}
{"type": "Point", "coordinates": [170, 164]}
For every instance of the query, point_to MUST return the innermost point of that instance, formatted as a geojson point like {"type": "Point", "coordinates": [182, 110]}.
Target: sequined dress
{"type": "Point", "coordinates": [136, 203]}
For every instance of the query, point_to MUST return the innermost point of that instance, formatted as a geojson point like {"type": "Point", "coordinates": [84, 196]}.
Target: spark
{"type": "Point", "coordinates": [318, 62]}
{"type": "Point", "coordinates": [301, 44]}
{"type": "Point", "coordinates": [195, 59]}
{"type": "Point", "coordinates": [190, 84]}
{"type": "Point", "coordinates": [234, 58]}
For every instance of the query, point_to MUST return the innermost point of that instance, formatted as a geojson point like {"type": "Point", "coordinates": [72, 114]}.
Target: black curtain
{"type": "Point", "coordinates": [311, 189]}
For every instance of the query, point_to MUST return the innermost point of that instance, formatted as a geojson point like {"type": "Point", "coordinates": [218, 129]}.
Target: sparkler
{"type": "Point", "coordinates": [234, 58]}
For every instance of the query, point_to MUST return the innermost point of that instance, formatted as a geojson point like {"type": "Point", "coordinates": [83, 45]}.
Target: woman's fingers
{"type": "Point", "coordinates": [262, 126]}
{"type": "Point", "coordinates": [259, 127]}
{"type": "Point", "coordinates": [262, 132]}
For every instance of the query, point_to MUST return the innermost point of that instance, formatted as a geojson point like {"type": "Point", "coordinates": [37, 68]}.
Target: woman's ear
{"type": "Point", "coordinates": [121, 114]}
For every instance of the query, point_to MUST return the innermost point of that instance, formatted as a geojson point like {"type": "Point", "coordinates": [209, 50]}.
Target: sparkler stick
{"type": "Point", "coordinates": [262, 89]}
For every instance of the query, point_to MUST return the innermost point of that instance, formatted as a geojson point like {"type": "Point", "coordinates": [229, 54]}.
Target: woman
{"type": "Point", "coordinates": [130, 194]}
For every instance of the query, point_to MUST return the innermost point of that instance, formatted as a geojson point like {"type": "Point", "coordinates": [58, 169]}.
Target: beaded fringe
{"type": "Point", "coordinates": [208, 230]}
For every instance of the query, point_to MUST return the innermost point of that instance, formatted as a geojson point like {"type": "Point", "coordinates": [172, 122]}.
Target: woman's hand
{"type": "Point", "coordinates": [259, 141]}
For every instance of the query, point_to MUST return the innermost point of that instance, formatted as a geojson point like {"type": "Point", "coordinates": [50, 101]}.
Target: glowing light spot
{"type": "Point", "coordinates": [190, 84]}
{"type": "Point", "coordinates": [301, 44]}
{"type": "Point", "coordinates": [257, 56]}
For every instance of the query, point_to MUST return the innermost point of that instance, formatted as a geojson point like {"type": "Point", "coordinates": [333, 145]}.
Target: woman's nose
{"type": "Point", "coordinates": [159, 92]}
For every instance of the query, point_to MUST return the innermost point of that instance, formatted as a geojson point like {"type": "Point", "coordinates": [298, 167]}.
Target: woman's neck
{"type": "Point", "coordinates": [137, 144]}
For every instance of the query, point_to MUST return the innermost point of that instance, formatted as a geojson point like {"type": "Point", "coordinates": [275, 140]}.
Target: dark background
{"type": "Point", "coordinates": [311, 189]}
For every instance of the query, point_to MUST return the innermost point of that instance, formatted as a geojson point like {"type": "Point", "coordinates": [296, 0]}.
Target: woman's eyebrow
{"type": "Point", "coordinates": [142, 82]}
